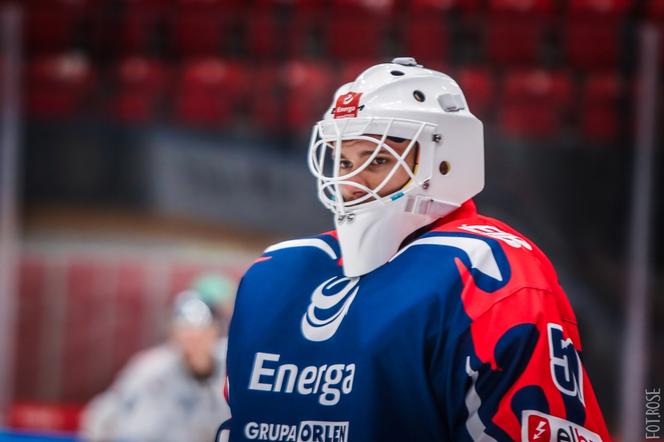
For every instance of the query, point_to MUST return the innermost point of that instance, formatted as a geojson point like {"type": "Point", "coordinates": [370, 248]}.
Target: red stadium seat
{"type": "Point", "coordinates": [199, 27]}
{"type": "Point", "coordinates": [426, 36]}
{"type": "Point", "coordinates": [356, 28]}
{"type": "Point", "coordinates": [593, 30]}
{"type": "Point", "coordinates": [58, 85]}
{"type": "Point", "coordinates": [266, 99]}
{"type": "Point", "coordinates": [309, 90]}
{"type": "Point", "coordinates": [435, 6]}
{"type": "Point", "coordinates": [379, 7]}
{"type": "Point", "coordinates": [602, 87]}
{"type": "Point", "coordinates": [140, 84]}
{"type": "Point", "coordinates": [538, 84]}
{"type": "Point", "coordinates": [264, 35]}
{"type": "Point", "coordinates": [533, 103]}
{"type": "Point", "coordinates": [353, 36]}
{"type": "Point", "coordinates": [655, 10]}
{"type": "Point", "coordinates": [304, 33]}
{"type": "Point", "coordinates": [600, 124]}
{"type": "Point", "coordinates": [301, 5]}
{"type": "Point", "coordinates": [208, 90]}
{"type": "Point", "coordinates": [592, 44]}
{"type": "Point", "coordinates": [599, 8]}
{"type": "Point", "coordinates": [52, 25]}
{"type": "Point", "coordinates": [140, 21]}
{"type": "Point", "coordinates": [600, 116]}
{"type": "Point", "coordinates": [478, 87]}
{"type": "Point", "coordinates": [521, 120]}
{"type": "Point", "coordinates": [423, 7]}
{"type": "Point", "coordinates": [516, 30]}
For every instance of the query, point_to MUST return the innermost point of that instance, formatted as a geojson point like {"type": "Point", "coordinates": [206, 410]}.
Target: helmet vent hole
{"type": "Point", "coordinates": [397, 73]}
{"type": "Point", "coordinates": [444, 168]}
{"type": "Point", "coordinates": [419, 96]}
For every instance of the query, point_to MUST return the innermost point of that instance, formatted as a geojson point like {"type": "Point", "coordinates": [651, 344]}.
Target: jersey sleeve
{"type": "Point", "coordinates": [126, 407]}
{"type": "Point", "coordinates": [516, 373]}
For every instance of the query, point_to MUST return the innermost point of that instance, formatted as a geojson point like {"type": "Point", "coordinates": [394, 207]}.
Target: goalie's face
{"type": "Point", "coordinates": [354, 155]}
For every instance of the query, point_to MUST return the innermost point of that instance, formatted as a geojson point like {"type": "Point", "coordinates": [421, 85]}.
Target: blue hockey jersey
{"type": "Point", "coordinates": [465, 334]}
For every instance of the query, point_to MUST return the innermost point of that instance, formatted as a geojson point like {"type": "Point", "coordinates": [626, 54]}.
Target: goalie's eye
{"type": "Point", "coordinates": [345, 164]}
{"type": "Point", "coordinates": [380, 161]}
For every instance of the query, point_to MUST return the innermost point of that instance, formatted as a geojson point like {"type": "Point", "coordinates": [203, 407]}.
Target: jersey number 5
{"type": "Point", "coordinates": [566, 368]}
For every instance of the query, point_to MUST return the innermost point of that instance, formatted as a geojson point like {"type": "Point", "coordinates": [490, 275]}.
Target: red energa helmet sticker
{"type": "Point", "coordinates": [347, 105]}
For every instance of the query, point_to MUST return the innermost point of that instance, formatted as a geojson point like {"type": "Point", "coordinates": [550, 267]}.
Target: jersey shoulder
{"type": "Point", "coordinates": [491, 258]}
{"type": "Point", "coordinates": [486, 227]}
{"type": "Point", "coordinates": [325, 243]}
{"type": "Point", "coordinates": [529, 265]}
{"type": "Point", "coordinates": [297, 256]}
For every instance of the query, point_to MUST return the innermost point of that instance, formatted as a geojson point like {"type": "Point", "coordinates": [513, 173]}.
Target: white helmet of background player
{"type": "Point", "coordinates": [401, 100]}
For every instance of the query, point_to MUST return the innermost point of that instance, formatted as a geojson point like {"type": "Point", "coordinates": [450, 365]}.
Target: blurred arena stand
{"type": "Point", "coordinates": [138, 114]}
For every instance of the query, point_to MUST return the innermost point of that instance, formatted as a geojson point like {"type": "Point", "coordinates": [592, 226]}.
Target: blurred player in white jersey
{"type": "Point", "coordinates": [172, 392]}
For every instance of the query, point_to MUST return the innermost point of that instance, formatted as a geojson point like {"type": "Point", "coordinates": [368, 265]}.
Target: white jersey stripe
{"type": "Point", "coordinates": [474, 424]}
{"type": "Point", "coordinates": [310, 242]}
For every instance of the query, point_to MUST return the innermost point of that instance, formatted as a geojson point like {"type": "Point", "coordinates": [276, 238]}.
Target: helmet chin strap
{"type": "Point", "coordinates": [423, 205]}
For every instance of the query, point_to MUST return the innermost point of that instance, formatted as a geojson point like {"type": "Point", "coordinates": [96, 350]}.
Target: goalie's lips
{"type": "Point", "coordinates": [354, 195]}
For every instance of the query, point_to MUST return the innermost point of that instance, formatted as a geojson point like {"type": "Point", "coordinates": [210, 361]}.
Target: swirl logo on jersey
{"type": "Point", "coordinates": [330, 302]}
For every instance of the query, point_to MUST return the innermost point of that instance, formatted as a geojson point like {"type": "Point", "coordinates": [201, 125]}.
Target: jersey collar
{"type": "Point", "coordinates": [466, 210]}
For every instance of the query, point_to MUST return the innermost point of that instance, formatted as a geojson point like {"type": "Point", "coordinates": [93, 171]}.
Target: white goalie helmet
{"type": "Point", "coordinates": [427, 112]}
